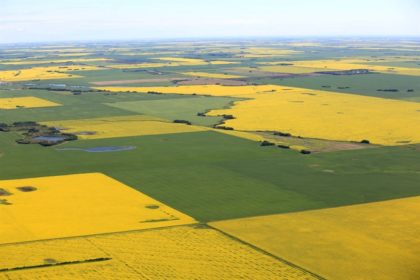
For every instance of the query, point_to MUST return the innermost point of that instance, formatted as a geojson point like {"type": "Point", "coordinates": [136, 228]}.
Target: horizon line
{"type": "Point", "coordinates": [216, 38]}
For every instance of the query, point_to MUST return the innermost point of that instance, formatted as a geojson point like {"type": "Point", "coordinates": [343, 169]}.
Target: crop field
{"type": "Point", "coordinates": [77, 60]}
{"type": "Point", "coordinates": [173, 253]}
{"type": "Point", "coordinates": [333, 116]}
{"type": "Point", "coordinates": [212, 90]}
{"type": "Point", "coordinates": [211, 75]}
{"type": "Point", "coordinates": [233, 159]}
{"type": "Point", "coordinates": [62, 206]}
{"type": "Point", "coordinates": [184, 108]}
{"type": "Point", "coordinates": [121, 127]}
{"type": "Point", "coordinates": [42, 73]}
{"type": "Point", "coordinates": [171, 62]}
{"type": "Point", "coordinates": [25, 102]}
{"type": "Point", "coordinates": [343, 117]}
{"type": "Point", "coordinates": [354, 242]}
{"type": "Point", "coordinates": [403, 87]}
{"type": "Point", "coordinates": [331, 65]}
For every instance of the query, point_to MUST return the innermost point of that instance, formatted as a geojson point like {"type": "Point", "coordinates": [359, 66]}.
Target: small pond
{"type": "Point", "coordinates": [102, 149]}
{"type": "Point", "coordinates": [49, 138]}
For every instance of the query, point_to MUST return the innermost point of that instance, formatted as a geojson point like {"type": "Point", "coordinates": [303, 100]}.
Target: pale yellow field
{"type": "Point", "coordinates": [185, 252]}
{"type": "Point", "coordinates": [310, 113]}
{"type": "Point", "coordinates": [326, 115]}
{"type": "Point", "coordinates": [44, 73]}
{"type": "Point", "coordinates": [75, 205]}
{"type": "Point", "coordinates": [221, 62]}
{"type": "Point", "coordinates": [368, 241]}
{"type": "Point", "coordinates": [255, 52]}
{"type": "Point", "coordinates": [211, 75]}
{"type": "Point", "coordinates": [184, 61]}
{"type": "Point", "coordinates": [111, 127]}
{"type": "Point", "coordinates": [141, 65]}
{"type": "Point", "coordinates": [241, 134]}
{"type": "Point", "coordinates": [25, 102]}
{"type": "Point", "coordinates": [194, 61]}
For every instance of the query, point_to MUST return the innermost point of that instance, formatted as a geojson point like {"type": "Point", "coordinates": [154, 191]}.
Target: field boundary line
{"type": "Point", "coordinates": [266, 253]}
{"type": "Point", "coordinates": [3, 270]}
{"type": "Point", "coordinates": [98, 234]}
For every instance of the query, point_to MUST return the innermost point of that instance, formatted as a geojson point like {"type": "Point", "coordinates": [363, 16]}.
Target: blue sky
{"type": "Point", "coordinates": [63, 20]}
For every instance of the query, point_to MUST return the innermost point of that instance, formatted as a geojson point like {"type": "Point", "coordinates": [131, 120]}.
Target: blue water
{"type": "Point", "coordinates": [100, 149]}
{"type": "Point", "coordinates": [49, 138]}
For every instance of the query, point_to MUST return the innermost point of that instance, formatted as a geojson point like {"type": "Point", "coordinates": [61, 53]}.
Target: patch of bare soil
{"type": "Point", "coordinates": [341, 146]}
{"type": "Point", "coordinates": [316, 145]}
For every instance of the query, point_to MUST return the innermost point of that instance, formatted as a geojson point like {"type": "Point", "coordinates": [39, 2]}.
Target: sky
{"type": "Point", "coordinates": [90, 20]}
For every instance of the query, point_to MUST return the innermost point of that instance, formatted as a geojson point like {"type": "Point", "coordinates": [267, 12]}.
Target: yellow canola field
{"type": "Point", "coordinates": [44, 73]}
{"type": "Point", "coordinates": [140, 65]}
{"type": "Point", "coordinates": [332, 65]}
{"type": "Point", "coordinates": [185, 252]}
{"type": "Point", "coordinates": [195, 61]}
{"type": "Point", "coordinates": [83, 60]}
{"type": "Point", "coordinates": [211, 75]}
{"type": "Point", "coordinates": [25, 102]}
{"type": "Point", "coordinates": [367, 241]}
{"type": "Point", "coordinates": [214, 90]}
{"type": "Point", "coordinates": [310, 113]}
{"type": "Point", "coordinates": [125, 126]}
{"type": "Point", "coordinates": [47, 251]}
{"type": "Point", "coordinates": [75, 205]}
{"type": "Point", "coordinates": [326, 115]}
{"type": "Point", "coordinates": [185, 61]}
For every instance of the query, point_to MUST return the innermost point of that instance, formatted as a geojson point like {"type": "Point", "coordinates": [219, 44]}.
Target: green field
{"type": "Point", "coordinates": [198, 140]}
{"type": "Point", "coordinates": [367, 84]}
{"type": "Point", "coordinates": [211, 176]}
{"type": "Point", "coordinates": [179, 108]}
{"type": "Point", "coordinates": [95, 104]}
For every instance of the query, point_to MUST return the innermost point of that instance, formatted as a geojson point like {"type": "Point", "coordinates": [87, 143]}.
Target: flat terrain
{"type": "Point", "coordinates": [366, 240]}
{"type": "Point", "coordinates": [74, 205]}
{"type": "Point", "coordinates": [282, 159]}
{"type": "Point", "coordinates": [176, 252]}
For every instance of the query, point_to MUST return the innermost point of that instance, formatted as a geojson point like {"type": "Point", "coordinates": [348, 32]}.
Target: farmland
{"type": "Point", "coordinates": [282, 159]}
{"type": "Point", "coordinates": [311, 239]}
{"type": "Point", "coordinates": [37, 208]}
{"type": "Point", "coordinates": [176, 252]}
{"type": "Point", "coordinates": [24, 102]}
{"type": "Point", "coordinates": [347, 113]}
{"type": "Point", "coordinates": [121, 127]}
